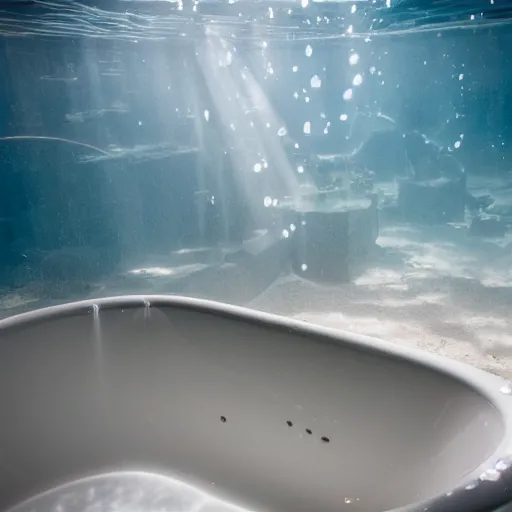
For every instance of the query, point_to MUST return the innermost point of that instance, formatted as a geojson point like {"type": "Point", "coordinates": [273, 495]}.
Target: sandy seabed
{"type": "Point", "coordinates": [435, 288]}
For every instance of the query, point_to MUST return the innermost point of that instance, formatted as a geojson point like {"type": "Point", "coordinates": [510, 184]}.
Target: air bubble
{"type": "Point", "coordinates": [347, 95]}
{"type": "Point", "coordinates": [506, 389]}
{"type": "Point", "coordinates": [316, 82]}
{"type": "Point", "coordinates": [501, 465]}
{"type": "Point", "coordinates": [490, 475]}
{"type": "Point", "coordinates": [147, 309]}
{"type": "Point", "coordinates": [353, 59]}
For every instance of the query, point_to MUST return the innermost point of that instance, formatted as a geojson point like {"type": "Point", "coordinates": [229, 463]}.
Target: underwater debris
{"type": "Point", "coordinates": [55, 139]}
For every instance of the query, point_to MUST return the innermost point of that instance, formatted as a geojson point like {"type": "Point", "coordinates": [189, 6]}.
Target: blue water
{"type": "Point", "coordinates": [213, 149]}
